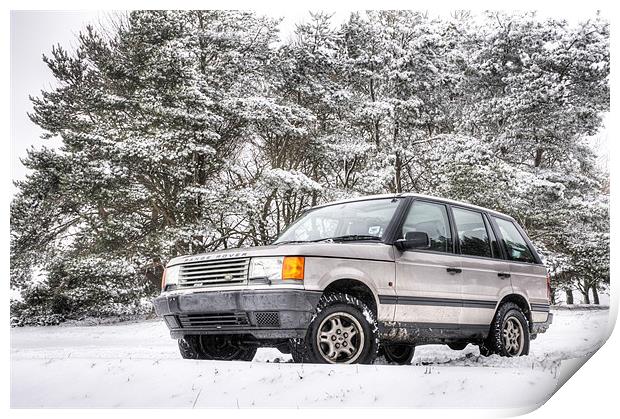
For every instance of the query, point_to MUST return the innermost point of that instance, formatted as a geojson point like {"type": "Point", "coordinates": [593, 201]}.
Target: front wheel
{"type": "Point", "coordinates": [216, 347]}
{"type": "Point", "coordinates": [344, 331]}
{"type": "Point", "coordinates": [509, 335]}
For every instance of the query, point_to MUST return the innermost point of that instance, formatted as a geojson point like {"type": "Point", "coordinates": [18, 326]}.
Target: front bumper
{"type": "Point", "coordinates": [542, 327]}
{"type": "Point", "coordinates": [264, 314]}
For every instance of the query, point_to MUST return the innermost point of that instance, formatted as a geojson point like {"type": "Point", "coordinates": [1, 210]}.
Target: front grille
{"type": "Point", "coordinates": [214, 272]}
{"type": "Point", "coordinates": [214, 320]}
{"type": "Point", "coordinates": [267, 319]}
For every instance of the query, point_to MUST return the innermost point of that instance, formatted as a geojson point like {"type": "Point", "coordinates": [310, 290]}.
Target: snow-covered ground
{"type": "Point", "coordinates": [138, 365]}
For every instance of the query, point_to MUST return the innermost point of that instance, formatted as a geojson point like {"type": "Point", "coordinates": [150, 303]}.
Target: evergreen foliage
{"type": "Point", "coordinates": [189, 131]}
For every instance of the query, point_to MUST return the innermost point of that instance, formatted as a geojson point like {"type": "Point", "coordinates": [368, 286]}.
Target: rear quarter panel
{"type": "Point", "coordinates": [530, 281]}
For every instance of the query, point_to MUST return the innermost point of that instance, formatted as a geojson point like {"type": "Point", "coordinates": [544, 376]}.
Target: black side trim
{"type": "Point", "coordinates": [479, 303]}
{"type": "Point", "coordinates": [423, 333]}
{"type": "Point", "coordinates": [430, 301]}
{"type": "Point", "coordinates": [388, 299]}
{"type": "Point", "coordinates": [484, 327]}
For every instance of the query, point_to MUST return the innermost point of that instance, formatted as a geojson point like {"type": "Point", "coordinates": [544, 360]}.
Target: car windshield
{"type": "Point", "coordinates": [354, 221]}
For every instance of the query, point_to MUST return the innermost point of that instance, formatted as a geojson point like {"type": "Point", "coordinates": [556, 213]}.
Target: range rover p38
{"type": "Point", "coordinates": [355, 279]}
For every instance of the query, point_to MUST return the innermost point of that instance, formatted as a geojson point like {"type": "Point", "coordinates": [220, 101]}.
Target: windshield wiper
{"type": "Point", "coordinates": [350, 237]}
{"type": "Point", "coordinates": [347, 238]}
{"type": "Point", "coordinates": [291, 242]}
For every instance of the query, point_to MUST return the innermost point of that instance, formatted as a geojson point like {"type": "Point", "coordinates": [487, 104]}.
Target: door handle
{"type": "Point", "coordinates": [454, 270]}
{"type": "Point", "coordinates": [503, 275]}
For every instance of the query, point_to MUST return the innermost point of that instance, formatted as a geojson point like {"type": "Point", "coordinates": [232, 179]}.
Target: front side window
{"type": "Point", "coordinates": [473, 236]}
{"type": "Point", "coordinates": [431, 219]}
{"type": "Point", "coordinates": [358, 220]}
{"type": "Point", "coordinates": [515, 244]}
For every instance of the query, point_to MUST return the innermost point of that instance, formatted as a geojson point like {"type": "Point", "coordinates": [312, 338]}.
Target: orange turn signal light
{"type": "Point", "coordinates": [293, 267]}
{"type": "Point", "coordinates": [163, 279]}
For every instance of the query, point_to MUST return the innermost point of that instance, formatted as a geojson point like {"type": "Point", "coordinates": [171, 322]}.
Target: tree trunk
{"type": "Point", "coordinates": [398, 174]}
{"type": "Point", "coordinates": [538, 157]}
{"type": "Point", "coordinates": [569, 297]}
{"type": "Point", "coordinates": [586, 295]}
{"type": "Point", "coordinates": [595, 295]}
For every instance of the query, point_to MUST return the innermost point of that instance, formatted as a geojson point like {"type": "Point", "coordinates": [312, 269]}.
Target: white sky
{"type": "Point", "coordinates": [34, 32]}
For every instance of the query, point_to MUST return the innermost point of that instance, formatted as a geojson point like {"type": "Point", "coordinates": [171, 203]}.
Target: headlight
{"type": "Point", "coordinates": [266, 268]}
{"type": "Point", "coordinates": [170, 276]}
{"type": "Point", "coordinates": [277, 268]}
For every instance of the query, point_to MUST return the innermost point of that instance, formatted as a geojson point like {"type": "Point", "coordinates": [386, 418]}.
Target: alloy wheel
{"type": "Point", "coordinates": [513, 336]}
{"type": "Point", "coordinates": [340, 339]}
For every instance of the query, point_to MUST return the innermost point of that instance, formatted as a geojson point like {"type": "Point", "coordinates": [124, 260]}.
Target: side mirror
{"type": "Point", "coordinates": [414, 240]}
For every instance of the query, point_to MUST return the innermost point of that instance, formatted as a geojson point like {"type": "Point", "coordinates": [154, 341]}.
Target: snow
{"type": "Point", "coordinates": [137, 365]}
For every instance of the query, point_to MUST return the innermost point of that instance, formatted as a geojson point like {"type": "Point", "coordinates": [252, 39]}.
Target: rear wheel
{"type": "Point", "coordinates": [398, 353]}
{"type": "Point", "coordinates": [299, 352]}
{"type": "Point", "coordinates": [484, 349]}
{"type": "Point", "coordinates": [457, 346]}
{"type": "Point", "coordinates": [216, 347]}
{"type": "Point", "coordinates": [344, 331]}
{"type": "Point", "coordinates": [509, 335]}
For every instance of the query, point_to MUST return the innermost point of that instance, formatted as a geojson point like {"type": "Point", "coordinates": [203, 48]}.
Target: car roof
{"type": "Point", "coordinates": [415, 195]}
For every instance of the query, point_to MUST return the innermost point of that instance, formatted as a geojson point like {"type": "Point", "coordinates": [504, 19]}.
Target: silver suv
{"type": "Point", "coordinates": [355, 279]}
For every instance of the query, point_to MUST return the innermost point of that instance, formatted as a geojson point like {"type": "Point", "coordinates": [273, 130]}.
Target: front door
{"type": "Point", "coordinates": [428, 283]}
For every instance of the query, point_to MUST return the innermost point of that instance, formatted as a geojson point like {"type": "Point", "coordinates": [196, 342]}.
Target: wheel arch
{"type": "Point", "coordinates": [520, 301]}
{"type": "Point", "coordinates": [357, 289]}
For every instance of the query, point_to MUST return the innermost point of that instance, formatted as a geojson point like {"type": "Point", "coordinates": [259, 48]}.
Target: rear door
{"type": "Point", "coordinates": [485, 276]}
{"type": "Point", "coordinates": [428, 285]}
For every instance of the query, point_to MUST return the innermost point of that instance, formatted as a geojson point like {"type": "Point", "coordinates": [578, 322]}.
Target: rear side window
{"type": "Point", "coordinates": [431, 219]}
{"type": "Point", "coordinates": [473, 235]}
{"type": "Point", "coordinates": [515, 244]}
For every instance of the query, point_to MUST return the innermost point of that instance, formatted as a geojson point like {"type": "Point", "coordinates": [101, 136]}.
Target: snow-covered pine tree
{"type": "Point", "coordinates": [149, 111]}
{"type": "Point", "coordinates": [189, 131]}
{"type": "Point", "coordinates": [536, 90]}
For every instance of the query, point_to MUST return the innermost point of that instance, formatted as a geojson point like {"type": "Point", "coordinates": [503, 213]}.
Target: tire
{"type": "Point", "coordinates": [343, 331]}
{"type": "Point", "coordinates": [299, 352]}
{"type": "Point", "coordinates": [216, 347]}
{"type": "Point", "coordinates": [509, 334]}
{"type": "Point", "coordinates": [398, 353]}
{"type": "Point", "coordinates": [189, 348]}
{"type": "Point", "coordinates": [484, 349]}
{"type": "Point", "coordinates": [457, 346]}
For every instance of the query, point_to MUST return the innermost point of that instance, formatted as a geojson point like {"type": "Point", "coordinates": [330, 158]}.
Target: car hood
{"type": "Point", "coordinates": [346, 250]}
